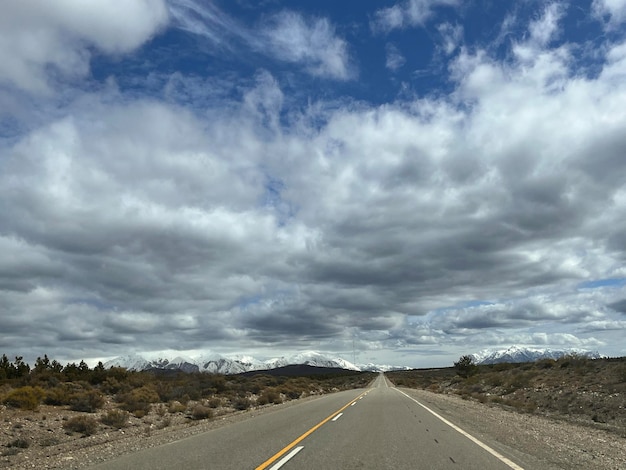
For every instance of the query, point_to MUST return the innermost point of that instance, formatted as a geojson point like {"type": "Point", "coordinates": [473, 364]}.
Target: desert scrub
{"type": "Point", "coordinates": [176, 407]}
{"type": "Point", "coordinates": [59, 395]}
{"type": "Point", "coordinates": [86, 425]}
{"type": "Point", "coordinates": [139, 400]}
{"type": "Point", "coordinates": [214, 402]}
{"type": "Point", "coordinates": [20, 442]}
{"type": "Point", "coordinates": [88, 401]}
{"type": "Point", "coordinates": [115, 418]}
{"type": "Point", "coordinates": [269, 395]}
{"type": "Point", "coordinates": [25, 398]}
{"type": "Point", "coordinates": [201, 412]}
{"type": "Point", "coordinates": [241, 403]}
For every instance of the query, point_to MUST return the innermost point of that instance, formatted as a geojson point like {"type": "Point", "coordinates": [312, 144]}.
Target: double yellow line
{"type": "Point", "coordinates": [286, 449]}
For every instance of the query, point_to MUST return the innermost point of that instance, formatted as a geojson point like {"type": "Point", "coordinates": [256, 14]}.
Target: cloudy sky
{"type": "Point", "coordinates": [412, 180]}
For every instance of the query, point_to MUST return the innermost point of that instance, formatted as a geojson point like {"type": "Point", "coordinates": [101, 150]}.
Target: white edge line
{"type": "Point", "coordinates": [286, 458]}
{"type": "Point", "coordinates": [337, 417]}
{"type": "Point", "coordinates": [493, 452]}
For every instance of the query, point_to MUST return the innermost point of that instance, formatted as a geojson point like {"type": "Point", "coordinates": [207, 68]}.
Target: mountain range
{"type": "Point", "coordinates": [218, 364]}
{"type": "Point", "coordinates": [518, 354]}
{"type": "Point", "coordinates": [237, 364]}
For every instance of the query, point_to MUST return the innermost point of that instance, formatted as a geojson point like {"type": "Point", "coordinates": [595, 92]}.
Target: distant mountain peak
{"type": "Point", "coordinates": [516, 354]}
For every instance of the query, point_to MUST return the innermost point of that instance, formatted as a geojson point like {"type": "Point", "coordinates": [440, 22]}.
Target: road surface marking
{"type": "Point", "coordinates": [493, 452]}
{"type": "Point", "coordinates": [287, 458]}
{"type": "Point", "coordinates": [352, 404]}
{"type": "Point", "coordinates": [337, 417]}
{"type": "Point", "coordinates": [288, 447]}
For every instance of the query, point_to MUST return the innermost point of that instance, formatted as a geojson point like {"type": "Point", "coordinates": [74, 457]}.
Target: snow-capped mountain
{"type": "Point", "coordinates": [381, 367]}
{"type": "Point", "coordinates": [310, 358]}
{"type": "Point", "coordinates": [519, 354]}
{"type": "Point", "coordinates": [218, 364]}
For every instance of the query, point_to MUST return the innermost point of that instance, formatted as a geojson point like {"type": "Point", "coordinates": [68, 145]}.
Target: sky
{"type": "Point", "coordinates": [397, 182]}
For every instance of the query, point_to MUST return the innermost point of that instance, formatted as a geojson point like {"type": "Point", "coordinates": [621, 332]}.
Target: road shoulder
{"type": "Point", "coordinates": [533, 441]}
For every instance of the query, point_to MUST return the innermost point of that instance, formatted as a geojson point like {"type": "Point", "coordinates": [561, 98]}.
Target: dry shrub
{"type": "Point", "coordinates": [57, 396]}
{"type": "Point", "coordinates": [25, 398]}
{"type": "Point", "coordinates": [201, 412]}
{"type": "Point", "coordinates": [269, 395]}
{"type": "Point", "coordinates": [115, 418]}
{"type": "Point", "coordinates": [214, 402]}
{"type": "Point", "coordinates": [10, 451]}
{"type": "Point", "coordinates": [88, 401]}
{"type": "Point", "coordinates": [49, 441]}
{"type": "Point", "coordinates": [165, 422]}
{"type": "Point", "coordinates": [138, 401]}
{"type": "Point", "coordinates": [241, 403]}
{"type": "Point", "coordinates": [85, 425]}
{"type": "Point", "coordinates": [177, 407]}
{"type": "Point", "coordinates": [20, 442]}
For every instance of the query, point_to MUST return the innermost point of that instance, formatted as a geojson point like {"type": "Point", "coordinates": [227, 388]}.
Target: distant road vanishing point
{"type": "Point", "coordinates": [379, 427]}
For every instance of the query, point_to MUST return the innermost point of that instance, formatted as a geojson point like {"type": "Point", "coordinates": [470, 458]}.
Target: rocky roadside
{"type": "Point", "coordinates": [541, 442]}
{"type": "Point", "coordinates": [550, 444]}
{"type": "Point", "coordinates": [37, 439]}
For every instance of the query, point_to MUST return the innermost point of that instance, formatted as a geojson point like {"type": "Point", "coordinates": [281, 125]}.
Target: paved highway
{"type": "Point", "coordinates": [375, 428]}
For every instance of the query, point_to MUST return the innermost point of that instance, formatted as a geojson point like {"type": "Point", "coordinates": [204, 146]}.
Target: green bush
{"type": "Point", "coordinates": [25, 398]}
{"type": "Point", "coordinates": [86, 425]}
{"type": "Point", "coordinates": [465, 366]}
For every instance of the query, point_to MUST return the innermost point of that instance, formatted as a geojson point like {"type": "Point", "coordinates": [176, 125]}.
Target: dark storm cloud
{"type": "Point", "coordinates": [464, 220]}
{"type": "Point", "coordinates": [619, 306]}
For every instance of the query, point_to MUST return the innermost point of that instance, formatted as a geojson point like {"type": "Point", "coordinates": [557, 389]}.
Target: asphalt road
{"type": "Point", "coordinates": [375, 428]}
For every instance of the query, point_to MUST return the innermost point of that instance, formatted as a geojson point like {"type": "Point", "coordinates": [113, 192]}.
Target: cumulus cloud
{"type": "Point", "coordinates": [613, 12]}
{"type": "Point", "coordinates": [37, 36]}
{"type": "Point", "coordinates": [442, 223]}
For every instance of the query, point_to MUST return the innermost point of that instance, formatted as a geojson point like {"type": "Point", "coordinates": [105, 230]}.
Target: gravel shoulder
{"type": "Point", "coordinates": [534, 442]}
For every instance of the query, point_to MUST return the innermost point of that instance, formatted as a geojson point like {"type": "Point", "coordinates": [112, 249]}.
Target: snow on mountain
{"type": "Point", "coordinates": [346, 364]}
{"type": "Point", "coordinates": [218, 364]}
{"type": "Point", "coordinates": [369, 367]}
{"type": "Point", "coordinates": [310, 358]}
{"type": "Point", "coordinates": [130, 362]}
{"type": "Point", "coordinates": [519, 354]}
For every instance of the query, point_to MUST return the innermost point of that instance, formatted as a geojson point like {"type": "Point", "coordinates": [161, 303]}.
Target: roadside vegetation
{"type": "Point", "coordinates": [86, 401]}
{"type": "Point", "coordinates": [573, 388]}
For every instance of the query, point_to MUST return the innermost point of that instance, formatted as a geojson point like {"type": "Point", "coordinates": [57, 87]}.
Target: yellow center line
{"type": "Point", "coordinates": [286, 449]}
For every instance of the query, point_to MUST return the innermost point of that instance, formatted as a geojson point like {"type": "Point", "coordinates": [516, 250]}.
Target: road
{"type": "Point", "coordinates": [380, 427]}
